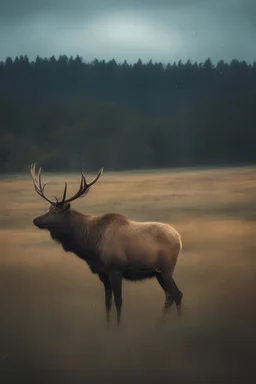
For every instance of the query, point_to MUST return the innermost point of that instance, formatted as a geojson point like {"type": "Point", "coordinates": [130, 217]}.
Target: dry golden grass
{"type": "Point", "coordinates": [52, 316]}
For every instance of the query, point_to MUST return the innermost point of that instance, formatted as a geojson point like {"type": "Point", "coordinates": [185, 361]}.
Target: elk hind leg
{"type": "Point", "coordinates": [178, 296]}
{"type": "Point", "coordinates": [171, 290]}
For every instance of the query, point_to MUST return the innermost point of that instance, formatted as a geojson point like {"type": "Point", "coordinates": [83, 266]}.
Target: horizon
{"type": "Point", "coordinates": [100, 60]}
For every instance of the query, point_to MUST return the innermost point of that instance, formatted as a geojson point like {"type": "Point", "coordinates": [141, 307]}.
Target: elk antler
{"type": "Point", "coordinates": [39, 187]}
{"type": "Point", "coordinates": [83, 189]}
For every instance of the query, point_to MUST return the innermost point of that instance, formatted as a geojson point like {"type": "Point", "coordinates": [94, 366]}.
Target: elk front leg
{"type": "Point", "coordinates": [115, 278]}
{"type": "Point", "coordinates": [108, 295]}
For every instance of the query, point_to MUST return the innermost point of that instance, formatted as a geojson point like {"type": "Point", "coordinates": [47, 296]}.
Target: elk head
{"type": "Point", "coordinates": [58, 211]}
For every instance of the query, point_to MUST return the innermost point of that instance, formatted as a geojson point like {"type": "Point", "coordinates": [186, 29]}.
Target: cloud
{"type": "Point", "coordinates": [12, 9]}
{"type": "Point", "coordinates": [163, 30]}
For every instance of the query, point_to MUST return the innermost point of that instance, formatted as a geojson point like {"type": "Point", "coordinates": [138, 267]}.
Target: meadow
{"type": "Point", "coordinates": [52, 323]}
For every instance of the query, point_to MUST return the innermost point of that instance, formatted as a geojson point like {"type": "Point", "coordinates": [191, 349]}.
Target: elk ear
{"type": "Point", "coordinates": [67, 207]}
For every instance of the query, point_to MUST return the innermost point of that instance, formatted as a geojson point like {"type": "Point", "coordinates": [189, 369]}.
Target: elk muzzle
{"type": "Point", "coordinates": [36, 222]}
{"type": "Point", "coordinates": [43, 221]}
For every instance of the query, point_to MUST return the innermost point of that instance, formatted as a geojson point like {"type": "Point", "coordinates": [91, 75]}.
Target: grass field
{"type": "Point", "coordinates": [52, 323]}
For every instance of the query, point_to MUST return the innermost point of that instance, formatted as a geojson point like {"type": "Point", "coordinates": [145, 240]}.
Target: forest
{"type": "Point", "coordinates": [72, 115]}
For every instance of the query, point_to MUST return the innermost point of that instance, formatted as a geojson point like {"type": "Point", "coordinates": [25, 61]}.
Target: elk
{"type": "Point", "coordinates": [114, 246]}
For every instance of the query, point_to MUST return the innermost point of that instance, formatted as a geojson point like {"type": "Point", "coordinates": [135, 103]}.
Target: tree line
{"type": "Point", "coordinates": [70, 115]}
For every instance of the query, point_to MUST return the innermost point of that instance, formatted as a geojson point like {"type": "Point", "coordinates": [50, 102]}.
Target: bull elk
{"type": "Point", "coordinates": [113, 246]}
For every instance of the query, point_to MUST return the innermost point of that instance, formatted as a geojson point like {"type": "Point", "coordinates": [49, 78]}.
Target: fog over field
{"type": "Point", "coordinates": [52, 323]}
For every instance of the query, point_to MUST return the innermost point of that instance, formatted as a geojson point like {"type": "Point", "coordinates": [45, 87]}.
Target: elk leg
{"type": "Point", "coordinates": [178, 296]}
{"type": "Point", "coordinates": [108, 295]}
{"type": "Point", "coordinates": [176, 293]}
{"type": "Point", "coordinates": [115, 278]}
{"type": "Point", "coordinates": [166, 282]}
{"type": "Point", "coordinates": [160, 281]}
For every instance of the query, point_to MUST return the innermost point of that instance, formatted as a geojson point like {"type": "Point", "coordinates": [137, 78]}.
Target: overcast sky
{"type": "Point", "coordinates": [161, 30]}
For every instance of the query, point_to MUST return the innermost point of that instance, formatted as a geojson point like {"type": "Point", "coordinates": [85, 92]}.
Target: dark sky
{"type": "Point", "coordinates": [161, 30]}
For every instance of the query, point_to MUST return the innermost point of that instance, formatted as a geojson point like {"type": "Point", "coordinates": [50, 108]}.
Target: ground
{"type": "Point", "coordinates": [52, 324]}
